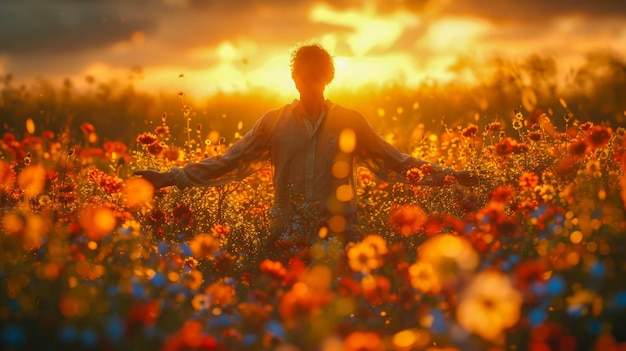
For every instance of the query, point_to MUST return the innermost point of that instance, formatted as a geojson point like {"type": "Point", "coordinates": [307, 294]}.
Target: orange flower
{"type": "Point", "coordinates": [87, 128]}
{"type": "Point", "coordinates": [470, 131]}
{"type": "Point", "coordinates": [451, 257]}
{"type": "Point", "coordinates": [162, 129]}
{"type": "Point", "coordinates": [505, 146]}
{"type": "Point", "coordinates": [489, 305]}
{"type": "Point", "coordinates": [204, 245]}
{"type": "Point", "coordinates": [221, 294]}
{"type": "Point", "coordinates": [424, 278]}
{"type": "Point", "coordinates": [363, 257]}
{"type": "Point", "coordinates": [599, 136]}
{"type": "Point", "coordinates": [528, 180]}
{"type": "Point", "coordinates": [156, 148]}
{"type": "Point", "coordinates": [494, 126]}
{"type": "Point", "coordinates": [578, 148]}
{"type": "Point", "coordinates": [273, 268]}
{"type": "Point", "coordinates": [220, 231]}
{"type": "Point", "coordinates": [363, 341]}
{"type": "Point", "coordinates": [414, 175]}
{"type": "Point", "coordinates": [407, 219]}
{"type": "Point", "coordinates": [146, 138]}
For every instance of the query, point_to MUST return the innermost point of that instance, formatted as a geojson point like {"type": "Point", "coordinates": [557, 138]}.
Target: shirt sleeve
{"type": "Point", "coordinates": [244, 157]}
{"type": "Point", "coordinates": [385, 160]}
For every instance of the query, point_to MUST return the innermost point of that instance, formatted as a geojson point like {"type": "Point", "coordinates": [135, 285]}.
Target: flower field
{"type": "Point", "coordinates": [531, 259]}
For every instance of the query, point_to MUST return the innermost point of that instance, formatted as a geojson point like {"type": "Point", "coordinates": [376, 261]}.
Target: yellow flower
{"type": "Point", "coordinates": [378, 242]}
{"type": "Point", "coordinates": [220, 294]}
{"type": "Point", "coordinates": [204, 245]}
{"type": "Point", "coordinates": [489, 305]}
{"type": "Point", "coordinates": [451, 257]}
{"type": "Point", "coordinates": [364, 257]}
{"type": "Point", "coordinates": [424, 278]}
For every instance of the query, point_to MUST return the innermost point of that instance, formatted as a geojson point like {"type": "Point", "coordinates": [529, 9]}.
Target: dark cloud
{"type": "Point", "coordinates": [51, 26]}
{"type": "Point", "coordinates": [536, 10]}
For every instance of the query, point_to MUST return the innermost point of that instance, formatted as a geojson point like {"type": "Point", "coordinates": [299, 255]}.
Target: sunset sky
{"type": "Point", "coordinates": [202, 46]}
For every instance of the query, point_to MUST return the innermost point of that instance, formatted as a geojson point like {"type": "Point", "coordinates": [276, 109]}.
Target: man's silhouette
{"type": "Point", "coordinates": [313, 146]}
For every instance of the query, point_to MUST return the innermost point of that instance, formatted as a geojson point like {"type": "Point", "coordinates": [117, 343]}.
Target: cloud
{"type": "Point", "coordinates": [244, 37]}
{"type": "Point", "coordinates": [34, 27]}
{"type": "Point", "coordinates": [529, 11]}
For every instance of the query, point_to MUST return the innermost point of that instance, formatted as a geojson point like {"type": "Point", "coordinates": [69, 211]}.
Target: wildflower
{"type": "Point", "coordinates": [529, 272]}
{"type": "Point", "coordinates": [593, 169]}
{"type": "Point", "coordinates": [365, 176]}
{"type": "Point", "coordinates": [162, 129]}
{"type": "Point", "coordinates": [254, 315]}
{"type": "Point", "coordinates": [194, 279]}
{"type": "Point", "coordinates": [224, 263]}
{"type": "Point", "coordinates": [146, 138]}
{"type": "Point", "coordinates": [137, 192]}
{"type": "Point", "coordinates": [413, 339]}
{"type": "Point", "coordinates": [414, 175]}
{"type": "Point", "coordinates": [190, 337]}
{"type": "Point", "coordinates": [578, 148]}
{"type": "Point", "coordinates": [504, 147]}
{"type": "Point", "coordinates": [87, 128]}
{"type": "Point", "coordinates": [97, 221]}
{"type": "Point", "coordinates": [407, 219]}
{"type": "Point", "coordinates": [7, 175]}
{"type": "Point", "coordinates": [171, 154]}
{"type": "Point", "coordinates": [273, 268]}
{"type": "Point", "coordinates": [378, 242]}
{"type": "Point", "coordinates": [494, 126]}
{"type": "Point", "coordinates": [363, 341]}
{"type": "Point", "coordinates": [424, 278]}
{"type": "Point", "coordinates": [363, 257]}
{"type": "Point", "coordinates": [535, 136]}
{"type": "Point", "coordinates": [528, 180]}
{"type": "Point", "coordinates": [450, 256]}
{"type": "Point", "coordinates": [450, 179]}
{"type": "Point", "coordinates": [520, 148]}
{"type": "Point", "coordinates": [376, 288]}
{"type": "Point", "coordinates": [115, 149]}
{"type": "Point", "coordinates": [111, 184]}
{"type": "Point", "coordinates": [220, 231]}
{"type": "Point", "coordinates": [32, 180]}
{"type": "Point", "coordinates": [156, 148]}
{"type": "Point", "coordinates": [586, 126]}
{"type": "Point", "coordinates": [201, 302]}
{"type": "Point", "coordinates": [183, 215]}
{"type": "Point", "coordinates": [203, 245]}
{"type": "Point", "coordinates": [8, 138]}
{"type": "Point", "coordinates": [489, 305]}
{"type": "Point", "coordinates": [599, 136]}
{"type": "Point", "coordinates": [307, 296]}
{"type": "Point", "coordinates": [502, 194]}
{"type": "Point", "coordinates": [221, 294]}
{"type": "Point", "coordinates": [427, 168]}
{"type": "Point", "coordinates": [470, 131]}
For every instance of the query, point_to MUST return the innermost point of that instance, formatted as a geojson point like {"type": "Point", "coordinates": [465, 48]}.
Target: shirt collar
{"type": "Point", "coordinates": [297, 108]}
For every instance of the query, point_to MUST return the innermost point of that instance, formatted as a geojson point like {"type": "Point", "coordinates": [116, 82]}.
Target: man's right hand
{"type": "Point", "coordinates": [157, 179]}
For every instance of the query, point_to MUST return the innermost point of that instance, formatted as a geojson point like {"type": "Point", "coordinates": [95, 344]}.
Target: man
{"type": "Point", "coordinates": [313, 145]}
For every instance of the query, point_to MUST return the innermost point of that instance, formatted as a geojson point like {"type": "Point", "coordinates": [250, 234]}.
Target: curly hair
{"type": "Point", "coordinates": [312, 63]}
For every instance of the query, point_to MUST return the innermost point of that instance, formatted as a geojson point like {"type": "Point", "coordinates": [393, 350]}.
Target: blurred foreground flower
{"type": "Point", "coordinates": [489, 305]}
{"type": "Point", "coordinates": [451, 257]}
{"type": "Point", "coordinates": [407, 219]}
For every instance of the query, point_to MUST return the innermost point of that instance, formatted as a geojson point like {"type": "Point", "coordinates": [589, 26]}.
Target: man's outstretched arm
{"type": "Point", "coordinates": [239, 161]}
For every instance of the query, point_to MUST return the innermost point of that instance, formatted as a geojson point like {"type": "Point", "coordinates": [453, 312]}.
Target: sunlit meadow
{"type": "Point", "coordinates": [531, 259]}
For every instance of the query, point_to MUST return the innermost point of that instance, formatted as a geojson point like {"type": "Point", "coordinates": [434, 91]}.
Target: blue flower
{"type": "Point", "coordinates": [114, 328]}
{"type": "Point", "coordinates": [68, 334]}
{"type": "Point", "coordinates": [89, 337]}
{"type": "Point", "coordinates": [555, 286]}
{"type": "Point", "coordinates": [13, 336]}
